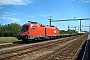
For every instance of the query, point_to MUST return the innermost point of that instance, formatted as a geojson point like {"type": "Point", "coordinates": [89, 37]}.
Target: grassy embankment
{"type": "Point", "coordinates": [7, 39]}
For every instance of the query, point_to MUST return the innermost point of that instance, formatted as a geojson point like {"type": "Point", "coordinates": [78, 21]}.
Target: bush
{"type": "Point", "coordinates": [8, 30]}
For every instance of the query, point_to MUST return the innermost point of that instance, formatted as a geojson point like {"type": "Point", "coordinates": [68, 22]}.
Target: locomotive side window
{"type": "Point", "coordinates": [24, 28]}
{"type": "Point", "coordinates": [33, 28]}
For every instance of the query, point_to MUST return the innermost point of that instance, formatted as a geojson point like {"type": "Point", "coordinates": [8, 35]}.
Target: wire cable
{"type": "Point", "coordinates": [76, 9]}
{"type": "Point", "coordinates": [79, 8]}
{"type": "Point", "coordinates": [47, 9]}
{"type": "Point", "coordinates": [54, 8]}
{"type": "Point", "coordinates": [17, 10]}
{"type": "Point", "coordinates": [28, 7]}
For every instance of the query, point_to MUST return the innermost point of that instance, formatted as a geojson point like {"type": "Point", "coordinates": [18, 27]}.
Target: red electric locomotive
{"type": "Point", "coordinates": [34, 31]}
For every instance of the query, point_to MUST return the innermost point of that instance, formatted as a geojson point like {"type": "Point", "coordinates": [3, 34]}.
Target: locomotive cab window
{"type": "Point", "coordinates": [24, 28]}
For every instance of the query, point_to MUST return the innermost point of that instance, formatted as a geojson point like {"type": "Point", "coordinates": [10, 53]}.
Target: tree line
{"type": "Point", "coordinates": [68, 32]}
{"type": "Point", "coordinates": [10, 30]}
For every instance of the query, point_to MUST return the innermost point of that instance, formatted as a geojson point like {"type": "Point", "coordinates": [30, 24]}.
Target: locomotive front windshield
{"type": "Point", "coordinates": [24, 28]}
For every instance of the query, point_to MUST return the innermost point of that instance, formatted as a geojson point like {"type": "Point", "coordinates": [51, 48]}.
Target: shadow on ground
{"type": "Point", "coordinates": [81, 55]}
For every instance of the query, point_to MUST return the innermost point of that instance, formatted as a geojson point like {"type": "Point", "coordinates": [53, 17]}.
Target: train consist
{"type": "Point", "coordinates": [32, 31]}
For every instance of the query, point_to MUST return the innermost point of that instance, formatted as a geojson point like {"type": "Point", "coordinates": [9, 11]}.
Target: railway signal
{"type": "Point", "coordinates": [50, 20]}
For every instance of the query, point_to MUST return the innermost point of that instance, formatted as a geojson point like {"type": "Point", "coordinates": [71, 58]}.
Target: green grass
{"type": "Point", "coordinates": [7, 39]}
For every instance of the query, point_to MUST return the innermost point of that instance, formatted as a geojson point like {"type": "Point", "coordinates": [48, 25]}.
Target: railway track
{"type": "Point", "coordinates": [16, 43]}
{"type": "Point", "coordinates": [23, 51]}
{"type": "Point", "coordinates": [12, 44]}
{"type": "Point", "coordinates": [9, 45]}
{"type": "Point", "coordinates": [67, 52]}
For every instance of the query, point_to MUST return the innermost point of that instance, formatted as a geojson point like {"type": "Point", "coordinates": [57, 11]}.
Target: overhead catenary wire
{"type": "Point", "coordinates": [19, 10]}
{"type": "Point", "coordinates": [16, 10]}
{"type": "Point", "coordinates": [76, 8]}
{"type": "Point", "coordinates": [38, 11]}
{"type": "Point", "coordinates": [79, 8]}
{"type": "Point", "coordinates": [29, 8]}
{"type": "Point", "coordinates": [47, 9]}
{"type": "Point", "coordinates": [54, 8]}
{"type": "Point", "coordinates": [34, 9]}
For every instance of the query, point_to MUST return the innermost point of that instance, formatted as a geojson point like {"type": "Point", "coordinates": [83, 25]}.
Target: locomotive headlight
{"type": "Point", "coordinates": [54, 31]}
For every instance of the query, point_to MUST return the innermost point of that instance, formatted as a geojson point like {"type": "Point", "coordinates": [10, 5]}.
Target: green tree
{"type": "Point", "coordinates": [63, 32]}
{"type": "Point", "coordinates": [67, 32]}
{"type": "Point", "coordinates": [1, 30]}
{"type": "Point", "coordinates": [11, 29]}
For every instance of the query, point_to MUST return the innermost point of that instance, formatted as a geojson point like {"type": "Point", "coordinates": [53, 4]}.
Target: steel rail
{"type": "Point", "coordinates": [78, 50]}
{"type": "Point", "coordinates": [85, 50]}
{"type": "Point", "coordinates": [62, 49]}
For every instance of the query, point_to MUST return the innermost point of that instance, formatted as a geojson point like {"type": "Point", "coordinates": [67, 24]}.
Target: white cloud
{"type": "Point", "coordinates": [8, 14]}
{"type": "Point", "coordinates": [3, 17]}
{"type": "Point", "coordinates": [15, 2]}
{"type": "Point", "coordinates": [86, 1]}
{"type": "Point", "coordinates": [11, 19]}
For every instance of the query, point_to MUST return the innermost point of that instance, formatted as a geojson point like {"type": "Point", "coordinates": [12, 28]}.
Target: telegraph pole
{"type": "Point", "coordinates": [75, 29]}
{"type": "Point", "coordinates": [68, 29]}
{"type": "Point", "coordinates": [89, 29]}
{"type": "Point", "coordinates": [50, 21]}
{"type": "Point", "coordinates": [80, 24]}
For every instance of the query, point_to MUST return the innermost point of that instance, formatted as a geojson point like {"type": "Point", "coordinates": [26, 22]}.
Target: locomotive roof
{"type": "Point", "coordinates": [31, 23]}
{"type": "Point", "coordinates": [37, 23]}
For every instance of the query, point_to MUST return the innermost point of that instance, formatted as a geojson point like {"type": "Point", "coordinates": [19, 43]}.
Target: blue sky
{"type": "Point", "coordinates": [22, 11]}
